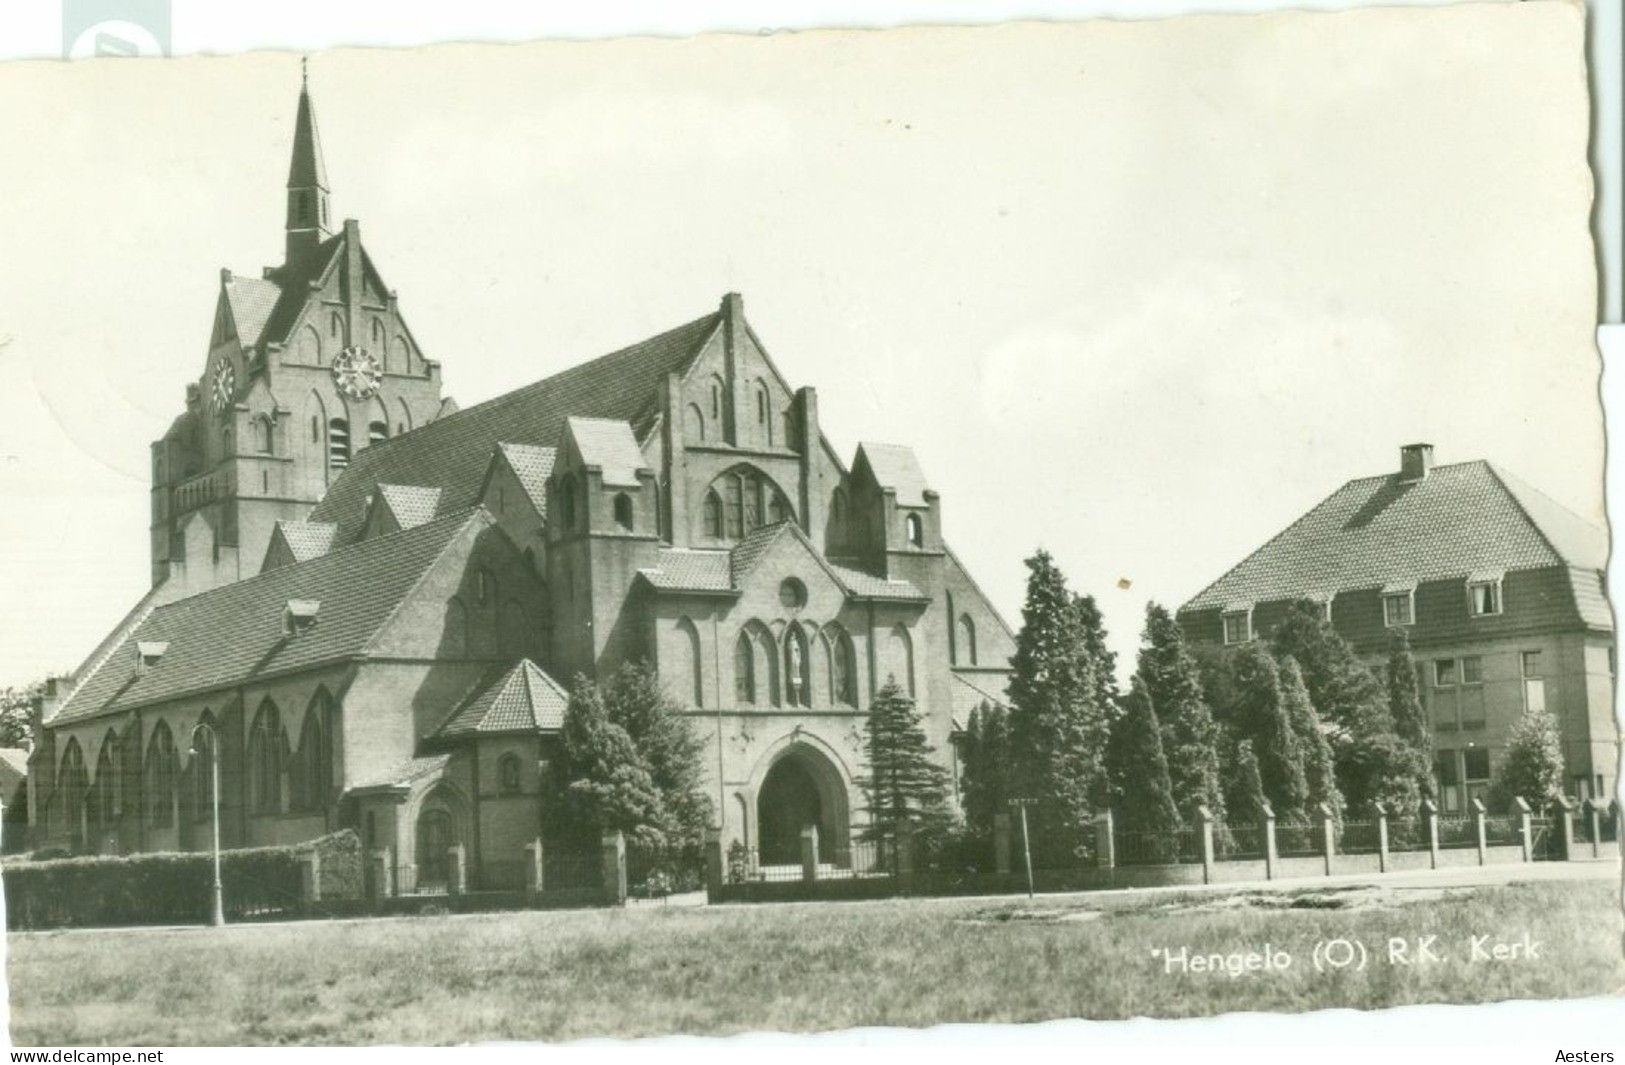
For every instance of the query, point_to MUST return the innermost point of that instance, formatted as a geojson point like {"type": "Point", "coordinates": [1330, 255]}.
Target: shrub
{"type": "Point", "coordinates": [175, 887]}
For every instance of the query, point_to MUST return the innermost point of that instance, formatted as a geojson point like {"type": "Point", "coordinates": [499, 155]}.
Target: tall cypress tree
{"type": "Point", "coordinates": [1262, 717]}
{"type": "Point", "coordinates": [906, 787]}
{"type": "Point", "coordinates": [1139, 771]}
{"type": "Point", "coordinates": [986, 768]}
{"type": "Point", "coordinates": [1191, 738]}
{"type": "Point", "coordinates": [1319, 770]}
{"type": "Point", "coordinates": [1243, 786]}
{"type": "Point", "coordinates": [1405, 708]}
{"type": "Point", "coordinates": [1058, 729]}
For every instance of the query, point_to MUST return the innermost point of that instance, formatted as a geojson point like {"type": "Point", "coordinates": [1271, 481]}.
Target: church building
{"type": "Point", "coordinates": [372, 603]}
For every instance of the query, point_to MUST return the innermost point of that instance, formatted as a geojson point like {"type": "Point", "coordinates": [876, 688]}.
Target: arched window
{"type": "Point", "coordinates": [761, 404]}
{"type": "Point", "coordinates": [747, 497]}
{"type": "Point", "coordinates": [967, 640]}
{"type": "Point", "coordinates": [377, 431]}
{"type": "Point", "coordinates": [262, 434]}
{"type": "Point", "coordinates": [160, 777]}
{"type": "Point", "coordinates": [103, 809]}
{"type": "Point", "coordinates": [797, 689]}
{"type": "Point", "coordinates": [623, 511]}
{"type": "Point", "coordinates": [686, 681]}
{"type": "Point", "coordinates": [744, 671]}
{"type": "Point", "coordinates": [734, 488]}
{"type": "Point", "coordinates": [567, 502]}
{"type": "Point", "coordinates": [716, 400]}
{"type": "Point", "coordinates": [308, 349]}
{"type": "Point", "coordinates": [265, 760]}
{"type": "Point", "coordinates": [837, 504]}
{"type": "Point", "coordinates": [843, 681]}
{"type": "Point", "coordinates": [778, 509]}
{"type": "Point", "coordinates": [310, 768]}
{"type": "Point", "coordinates": [338, 444]}
{"type": "Point", "coordinates": [203, 741]}
{"type": "Point", "coordinates": [335, 325]}
{"type": "Point", "coordinates": [402, 355]}
{"type": "Point", "coordinates": [694, 426]}
{"type": "Point", "coordinates": [713, 515]}
{"type": "Point", "coordinates": [767, 668]}
{"type": "Point", "coordinates": [378, 333]}
{"type": "Point", "coordinates": [403, 417]}
{"type": "Point", "coordinates": [508, 774]}
{"type": "Point", "coordinates": [74, 785]}
{"type": "Point", "coordinates": [900, 658]}
{"type": "Point", "coordinates": [915, 530]}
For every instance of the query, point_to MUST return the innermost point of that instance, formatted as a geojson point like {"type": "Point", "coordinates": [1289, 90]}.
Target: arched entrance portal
{"type": "Point", "coordinates": [438, 830]}
{"type": "Point", "coordinates": [802, 787]}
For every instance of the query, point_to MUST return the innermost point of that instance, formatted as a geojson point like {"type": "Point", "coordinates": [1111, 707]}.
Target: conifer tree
{"type": "Point", "coordinates": [1143, 796]}
{"type": "Point", "coordinates": [1261, 716]}
{"type": "Point", "coordinates": [1532, 768]}
{"type": "Point", "coordinates": [1243, 786]}
{"type": "Point", "coordinates": [1341, 688]}
{"type": "Point", "coordinates": [1319, 770]}
{"type": "Point", "coordinates": [1191, 738]}
{"type": "Point", "coordinates": [1058, 728]}
{"type": "Point", "coordinates": [986, 769]}
{"type": "Point", "coordinates": [1405, 708]}
{"type": "Point", "coordinates": [907, 789]}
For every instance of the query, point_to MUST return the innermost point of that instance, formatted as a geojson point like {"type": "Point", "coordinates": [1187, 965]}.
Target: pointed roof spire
{"type": "Point", "coordinates": [307, 169]}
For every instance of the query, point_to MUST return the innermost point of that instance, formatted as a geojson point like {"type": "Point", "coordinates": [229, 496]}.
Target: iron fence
{"type": "Point", "coordinates": [1159, 848]}
{"type": "Point", "coordinates": [1239, 841]}
{"type": "Point", "coordinates": [1358, 837]}
{"type": "Point", "coordinates": [1503, 830]}
{"type": "Point", "coordinates": [1297, 839]}
{"type": "Point", "coordinates": [1457, 832]}
{"type": "Point", "coordinates": [1546, 842]}
{"type": "Point", "coordinates": [1408, 834]}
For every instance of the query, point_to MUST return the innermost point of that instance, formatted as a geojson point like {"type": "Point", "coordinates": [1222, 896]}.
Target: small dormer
{"type": "Point", "coordinates": [299, 616]}
{"type": "Point", "coordinates": [148, 653]}
{"type": "Point", "coordinates": [601, 483]}
{"type": "Point", "coordinates": [892, 508]}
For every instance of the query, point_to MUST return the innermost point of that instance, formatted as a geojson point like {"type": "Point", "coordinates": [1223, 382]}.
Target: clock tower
{"type": "Point", "coordinates": [309, 364]}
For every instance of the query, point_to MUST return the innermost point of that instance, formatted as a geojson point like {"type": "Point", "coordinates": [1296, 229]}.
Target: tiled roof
{"type": "Point", "coordinates": [251, 299]}
{"type": "Point", "coordinates": [307, 539]}
{"type": "Point", "coordinates": [517, 698]}
{"type": "Point", "coordinates": [404, 773]}
{"type": "Point", "coordinates": [1459, 519]}
{"type": "Point", "coordinates": [749, 551]}
{"type": "Point", "coordinates": [868, 586]}
{"type": "Point", "coordinates": [682, 569]}
{"type": "Point", "coordinates": [234, 633]}
{"type": "Point", "coordinates": [411, 504]}
{"type": "Point", "coordinates": [294, 280]}
{"type": "Point", "coordinates": [1591, 597]}
{"type": "Point", "coordinates": [895, 467]}
{"type": "Point", "coordinates": [610, 446]}
{"type": "Point", "coordinates": [451, 453]}
{"type": "Point", "coordinates": [533, 466]}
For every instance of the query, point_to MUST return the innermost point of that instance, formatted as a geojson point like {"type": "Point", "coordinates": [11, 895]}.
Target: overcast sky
{"type": "Point", "coordinates": [1140, 293]}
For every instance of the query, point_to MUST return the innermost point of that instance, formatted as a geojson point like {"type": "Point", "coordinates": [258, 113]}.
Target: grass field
{"type": "Point", "coordinates": [806, 967]}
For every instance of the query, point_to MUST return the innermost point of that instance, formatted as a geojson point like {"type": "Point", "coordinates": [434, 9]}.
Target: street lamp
{"type": "Point", "coordinates": [218, 917]}
{"type": "Point", "coordinates": [1026, 845]}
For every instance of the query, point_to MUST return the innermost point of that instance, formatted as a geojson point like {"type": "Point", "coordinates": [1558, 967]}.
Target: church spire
{"type": "Point", "coordinates": [307, 223]}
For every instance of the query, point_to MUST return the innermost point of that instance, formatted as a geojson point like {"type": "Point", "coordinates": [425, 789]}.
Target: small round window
{"type": "Point", "coordinates": [793, 594]}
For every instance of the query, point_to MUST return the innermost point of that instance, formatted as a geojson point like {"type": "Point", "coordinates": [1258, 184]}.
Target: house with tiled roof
{"type": "Point", "coordinates": [376, 627]}
{"type": "Point", "coordinates": [1500, 590]}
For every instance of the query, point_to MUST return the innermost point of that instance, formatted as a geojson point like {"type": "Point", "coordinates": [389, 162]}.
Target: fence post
{"type": "Point", "coordinates": [1526, 831]}
{"type": "Point", "coordinates": [1594, 826]}
{"type": "Point", "coordinates": [1478, 823]}
{"type": "Point", "coordinates": [1430, 811]}
{"type": "Point", "coordinates": [457, 869]}
{"type": "Point", "coordinates": [714, 863]}
{"type": "Point", "coordinates": [1328, 840]}
{"type": "Point", "coordinates": [310, 877]}
{"type": "Point", "coordinates": [1381, 813]}
{"type": "Point", "coordinates": [1204, 817]}
{"type": "Point", "coordinates": [533, 868]}
{"type": "Point", "coordinates": [1105, 840]}
{"type": "Point", "coordinates": [809, 853]}
{"type": "Point", "coordinates": [1001, 844]}
{"type": "Point", "coordinates": [1272, 853]}
{"type": "Point", "coordinates": [1565, 816]}
{"type": "Point", "coordinates": [383, 875]}
{"type": "Point", "coordinates": [612, 856]}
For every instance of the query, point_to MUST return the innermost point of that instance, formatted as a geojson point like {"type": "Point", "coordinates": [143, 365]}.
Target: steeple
{"type": "Point", "coordinates": [307, 224]}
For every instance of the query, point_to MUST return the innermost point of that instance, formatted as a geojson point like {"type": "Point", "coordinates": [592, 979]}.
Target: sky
{"type": "Point", "coordinates": [1139, 293]}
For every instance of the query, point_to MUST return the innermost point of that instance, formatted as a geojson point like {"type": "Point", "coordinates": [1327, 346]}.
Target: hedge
{"type": "Point", "coordinates": [176, 888]}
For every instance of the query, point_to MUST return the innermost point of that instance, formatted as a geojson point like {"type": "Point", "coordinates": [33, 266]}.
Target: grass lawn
{"type": "Point", "coordinates": [805, 967]}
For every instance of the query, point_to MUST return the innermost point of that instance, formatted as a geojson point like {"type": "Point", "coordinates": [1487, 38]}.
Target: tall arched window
{"type": "Point", "coordinates": [900, 658]}
{"type": "Point", "coordinates": [967, 640]}
{"type": "Point", "coordinates": [104, 794]}
{"type": "Point", "coordinates": [338, 444]}
{"type": "Point", "coordinates": [265, 760]}
{"type": "Point", "coordinates": [716, 399]}
{"type": "Point", "coordinates": [308, 348]}
{"type": "Point", "coordinates": [335, 325]}
{"type": "Point", "coordinates": [310, 768]}
{"type": "Point", "coordinates": [262, 434]}
{"type": "Point", "coordinates": [915, 530]}
{"type": "Point", "coordinates": [713, 516]}
{"type": "Point", "coordinates": [797, 662]}
{"type": "Point", "coordinates": [747, 499]}
{"type": "Point", "coordinates": [844, 672]}
{"type": "Point", "coordinates": [160, 777]}
{"type": "Point", "coordinates": [377, 431]}
{"type": "Point", "coordinates": [744, 671]}
{"type": "Point", "coordinates": [767, 668]}
{"type": "Point", "coordinates": [74, 785]}
{"type": "Point", "coordinates": [623, 511]}
{"type": "Point", "coordinates": [687, 682]}
{"type": "Point", "coordinates": [694, 425]}
{"type": "Point", "coordinates": [203, 741]}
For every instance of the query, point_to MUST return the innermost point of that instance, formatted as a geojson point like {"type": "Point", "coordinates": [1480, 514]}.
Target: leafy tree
{"type": "Point", "coordinates": [1260, 715]}
{"type": "Point", "coordinates": [1533, 766]}
{"type": "Point", "coordinates": [631, 762]}
{"type": "Point", "coordinates": [1243, 786]}
{"type": "Point", "coordinates": [1058, 727]}
{"type": "Point", "coordinates": [1319, 769]}
{"type": "Point", "coordinates": [16, 715]}
{"type": "Point", "coordinates": [987, 768]}
{"type": "Point", "coordinates": [1405, 708]}
{"type": "Point", "coordinates": [1191, 738]}
{"type": "Point", "coordinates": [1138, 769]}
{"type": "Point", "coordinates": [906, 787]}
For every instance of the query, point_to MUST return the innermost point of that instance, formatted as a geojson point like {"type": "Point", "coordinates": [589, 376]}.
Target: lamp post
{"type": "Point", "coordinates": [1026, 843]}
{"type": "Point", "coordinates": [218, 916]}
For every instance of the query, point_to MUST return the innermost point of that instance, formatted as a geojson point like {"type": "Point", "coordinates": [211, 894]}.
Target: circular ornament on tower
{"type": "Point", "coordinates": [223, 386]}
{"type": "Point", "coordinates": [355, 372]}
{"type": "Point", "coordinates": [792, 594]}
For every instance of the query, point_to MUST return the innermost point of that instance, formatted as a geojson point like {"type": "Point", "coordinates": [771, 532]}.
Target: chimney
{"type": "Point", "coordinates": [1415, 460]}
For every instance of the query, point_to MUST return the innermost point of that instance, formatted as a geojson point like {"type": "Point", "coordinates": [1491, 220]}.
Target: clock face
{"type": "Point", "coordinates": [356, 373]}
{"type": "Point", "coordinates": [223, 386]}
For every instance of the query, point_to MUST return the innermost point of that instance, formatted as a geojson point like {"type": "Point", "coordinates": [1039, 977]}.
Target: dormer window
{"type": "Point", "coordinates": [1484, 594]}
{"type": "Point", "coordinates": [299, 616]}
{"type": "Point", "coordinates": [1238, 624]}
{"type": "Point", "coordinates": [147, 654]}
{"type": "Point", "coordinates": [1399, 606]}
